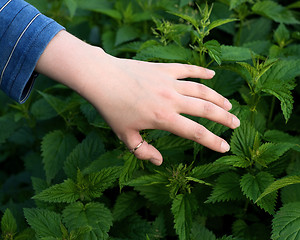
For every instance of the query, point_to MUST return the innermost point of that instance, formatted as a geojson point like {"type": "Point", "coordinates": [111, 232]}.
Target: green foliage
{"type": "Point", "coordinates": [286, 223]}
{"type": "Point", "coordinates": [63, 168]}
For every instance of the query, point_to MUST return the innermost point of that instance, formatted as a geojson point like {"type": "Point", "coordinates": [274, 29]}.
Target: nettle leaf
{"type": "Point", "coordinates": [130, 166]}
{"type": "Point", "coordinates": [235, 161]}
{"type": "Point", "coordinates": [65, 192]}
{"type": "Point", "coordinates": [153, 187]}
{"type": "Point", "coordinates": [232, 53]}
{"type": "Point", "coordinates": [56, 146]}
{"type": "Point", "coordinates": [236, 3]}
{"type": "Point", "coordinates": [93, 116]}
{"type": "Point", "coordinates": [200, 232]}
{"type": "Point", "coordinates": [227, 188]}
{"type": "Point", "coordinates": [274, 11]}
{"type": "Point", "coordinates": [8, 224]}
{"type": "Point", "coordinates": [207, 170]}
{"type": "Point", "coordinates": [280, 183]}
{"type": "Point", "coordinates": [126, 33]}
{"type": "Point", "coordinates": [7, 127]}
{"type": "Point", "coordinates": [270, 152]}
{"type": "Point", "coordinates": [170, 52]}
{"type": "Point", "coordinates": [220, 22]}
{"type": "Point", "coordinates": [44, 222]}
{"type": "Point", "coordinates": [281, 137]}
{"type": "Point", "coordinates": [92, 185]}
{"type": "Point", "coordinates": [126, 204]}
{"type": "Point", "coordinates": [214, 50]}
{"type": "Point", "coordinates": [281, 35]}
{"type": "Point", "coordinates": [83, 154]}
{"type": "Point", "coordinates": [279, 81]}
{"type": "Point", "coordinates": [286, 223]}
{"type": "Point", "coordinates": [183, 207]}
{"type": "Point", "coordinates": [242, 140]}
{"type": "Point", "coordinates": [95, 216]}
{"type": "Point", "coordinates": [254, 185]}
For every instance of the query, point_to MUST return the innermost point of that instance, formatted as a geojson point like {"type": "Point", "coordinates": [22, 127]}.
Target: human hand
{"type": "Point", "coordinates": [133, 95]}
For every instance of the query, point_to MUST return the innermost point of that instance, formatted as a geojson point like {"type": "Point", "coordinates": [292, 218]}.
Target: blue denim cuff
{"type": "Point", "coordinates": [24, 35]}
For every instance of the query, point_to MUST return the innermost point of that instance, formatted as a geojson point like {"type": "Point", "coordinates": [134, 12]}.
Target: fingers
{"type": "Point", "coordinates": [143, 151]}
{"type": "Point", "coordinates": [186, 128]}
{"type": "Point", "coordinates": [205, 109]}
{"type": "Point", "coordinates": [181, 71]}
{"type": "Point", "coordinates": [196, 90]}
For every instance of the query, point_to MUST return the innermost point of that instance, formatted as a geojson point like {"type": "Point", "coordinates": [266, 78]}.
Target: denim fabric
{"type": "Point", "coordinates": [24, 34]}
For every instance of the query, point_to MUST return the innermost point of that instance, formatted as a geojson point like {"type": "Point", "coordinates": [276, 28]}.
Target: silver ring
{"type": "Point", "coordinates": [137, 147]}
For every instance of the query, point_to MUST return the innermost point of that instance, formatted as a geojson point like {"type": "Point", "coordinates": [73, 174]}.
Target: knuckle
{"type": "Point", "coordinates": [208, 108]}
{"type": "Point", "coordinates": [199, 133]}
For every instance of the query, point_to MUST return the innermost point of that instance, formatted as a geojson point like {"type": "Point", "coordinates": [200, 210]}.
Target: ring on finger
{"type": "Point", "coordinates": [137, 147]}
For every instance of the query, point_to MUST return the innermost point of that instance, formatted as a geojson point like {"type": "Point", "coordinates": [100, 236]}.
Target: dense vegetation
{"type": "Point", "coordinates": [65, 175]}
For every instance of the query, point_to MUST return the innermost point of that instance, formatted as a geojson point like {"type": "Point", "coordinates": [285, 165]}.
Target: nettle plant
{"type": "Point", "coordinates": [65, 175]}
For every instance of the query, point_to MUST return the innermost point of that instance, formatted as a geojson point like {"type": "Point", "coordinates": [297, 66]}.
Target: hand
{"type": "Point", "coordinates": [134, 95]}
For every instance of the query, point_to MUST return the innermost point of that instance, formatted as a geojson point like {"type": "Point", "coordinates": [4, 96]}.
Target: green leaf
{"type": "Point", "coordinates": [126, 33]}
{"type": "Point", "coordinates": [286, 223]}
{"type": "Point", "coordinates": [280, 183]}
{"type": "Point", "coordinates": [171, 142]}
{"type": "Point", "coordinates": [130, 166]}
{"type": "Point", "coordinates": [232, 53]}
{"type": "Point", "coordinates": [207, 170]}
{"type": "Point", "coordinates": [56, 146]}
{"type": "Point", "coordinates": [44, 222]}
{"type": "Point", "coordinates": [270, 152]}
{"type": "Point", "coordinates": [294, 5]}
{"type": "Point", "coordinates": [7, 127]}
{"type": "Point", "coordinates": [242, 140]}
{"type": "Point", "coordinates": [65, 192]}
{"type": "Point", "coordinates": [236, 3]}
{"type": "Point", "coordinates": [235, 161]}
{"type": "Point", "coordinates": [126, 204]}
{"type": "Point", "coordinates": [200, 232]}
{"type": "Point", "coordinates": [72, 6]}
{"type": "Point", "coordinates": [281, 35]}
{"type": "Point", "coordinates": [153, 187]}
{"type": "Point", "coordinates": [106, 160]}
{"type": "Point", "coordinates": [220, 22]}
{"type": "Point", "coordinates": [92, 185]}
{"type": "Point", "coordinates": [83, 154]}
{"type": "Point", "coordinates": [170, 52]}
{"type": "Point", "coordinates": [274, 11]}
{"type": "Point", "coordinates": [254, 185]}
{"type": "Point", "coordinates": [214, 50]}
{"type": "Point", "coordinates": [42, 110]}
{"type": "Point", "coordinates": [190, 19]}
{"type": "Point", "coordinates": [282, 91]}
{"type": "Point", "coordinates": [8, 223]}
{"type": "Point", "coordinates": [93, 116]}
{"type": "Point", "coordinates": [183, 207]}
{"type": "Point", "coordinates": [95, 216]}
{"type": "Point", "coordinates": [227, 188]}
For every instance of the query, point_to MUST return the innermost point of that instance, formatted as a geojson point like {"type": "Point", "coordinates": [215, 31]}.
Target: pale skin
{"type": "Point", "coordinates": [135, 95]}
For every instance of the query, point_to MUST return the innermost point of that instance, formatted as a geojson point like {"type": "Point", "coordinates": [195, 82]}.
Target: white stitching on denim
{"type": "Point", "coordinates": [5, 5]}
{"type": "Point", "coordinates": [9, 58]}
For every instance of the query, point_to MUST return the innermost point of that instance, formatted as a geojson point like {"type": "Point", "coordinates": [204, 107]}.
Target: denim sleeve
{"type": "Point", "coordinates": [24, 34]}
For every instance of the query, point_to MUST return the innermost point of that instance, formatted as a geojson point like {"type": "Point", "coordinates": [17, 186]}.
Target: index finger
{"type": "Point", "coordinates": [181, 71]}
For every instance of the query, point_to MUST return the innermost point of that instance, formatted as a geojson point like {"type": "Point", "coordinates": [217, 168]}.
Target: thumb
{"type": "Point", "coordinates": [142, 150]}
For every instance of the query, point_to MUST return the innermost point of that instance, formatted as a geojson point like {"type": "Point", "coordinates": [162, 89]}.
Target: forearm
{"type": "Point", "coordinates": [69, 61]}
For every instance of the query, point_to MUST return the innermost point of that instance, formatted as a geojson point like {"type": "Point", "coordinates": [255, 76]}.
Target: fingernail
{"type": "Point", "coordinates": [235, 122]}
{"type": "Point", "coordinates": [155, 161]}
{"type": "Point", "coordinates": [225, 146]}
{"type": "Point", "coordinates": [227, 104]}
{"type": "Point", "coordinates": [210, 72]}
